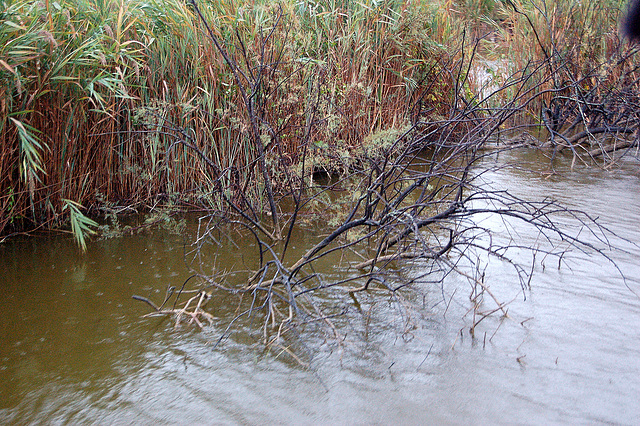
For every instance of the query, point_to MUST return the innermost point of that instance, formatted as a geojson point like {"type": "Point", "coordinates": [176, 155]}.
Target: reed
{"type": "Point", "coordinates": [128, 102]}
{"type": "Point", "coordinates": [565, 41]}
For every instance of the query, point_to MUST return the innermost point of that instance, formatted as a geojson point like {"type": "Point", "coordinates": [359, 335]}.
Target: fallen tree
{"type": "Point", "coordinates": [411, 201]}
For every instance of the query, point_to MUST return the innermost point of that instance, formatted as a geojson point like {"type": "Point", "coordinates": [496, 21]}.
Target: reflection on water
{"type": "Point", "coordinates": [74, 347]}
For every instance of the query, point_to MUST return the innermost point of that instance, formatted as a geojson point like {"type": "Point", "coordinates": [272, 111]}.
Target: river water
{"type": "Point", "coordinates": [74, 347]}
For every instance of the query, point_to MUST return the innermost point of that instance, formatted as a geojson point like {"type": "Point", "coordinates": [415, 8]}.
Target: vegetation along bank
{"type": "Point", "coordinates": [111, 106]}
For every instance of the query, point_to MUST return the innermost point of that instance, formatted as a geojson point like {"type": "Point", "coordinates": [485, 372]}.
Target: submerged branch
{"type": "Point", "coordinates": [407, 208]}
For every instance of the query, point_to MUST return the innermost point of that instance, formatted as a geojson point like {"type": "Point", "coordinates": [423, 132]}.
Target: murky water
{"type": "Point", "coordinates": [74, 348]}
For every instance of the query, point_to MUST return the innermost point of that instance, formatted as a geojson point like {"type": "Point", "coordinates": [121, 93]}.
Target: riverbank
{"type": "Point", "coordinates": [116, 105]}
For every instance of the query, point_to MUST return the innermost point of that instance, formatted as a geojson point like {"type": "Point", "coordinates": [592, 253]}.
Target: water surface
{"type": "Point", "coordinates": [75, 349]}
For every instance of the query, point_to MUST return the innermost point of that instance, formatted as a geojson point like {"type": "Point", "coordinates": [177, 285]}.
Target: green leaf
{"type": "Point", "coordinates": [30, 146]}
{"type": "Point", "coordinates": [81, 226]}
